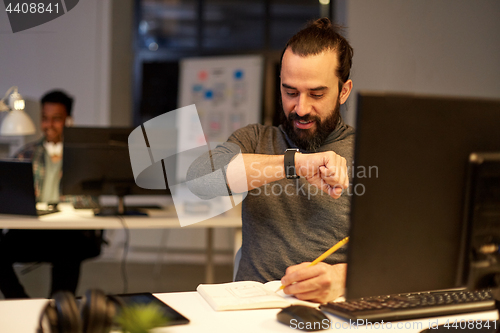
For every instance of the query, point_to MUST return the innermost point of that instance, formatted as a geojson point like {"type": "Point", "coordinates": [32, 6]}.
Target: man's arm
{"type": "Point", "coordinates": [326, 170]}
{"type": "Point", "coordinates": [259, 170]}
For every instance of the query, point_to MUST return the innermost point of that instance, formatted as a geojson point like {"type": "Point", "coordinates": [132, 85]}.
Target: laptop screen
{"type": "Point", "coordinates": [17, 192]}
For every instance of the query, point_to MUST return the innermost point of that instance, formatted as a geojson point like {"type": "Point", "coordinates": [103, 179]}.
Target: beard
{"type": "Point", "coordinates": [311, 139]}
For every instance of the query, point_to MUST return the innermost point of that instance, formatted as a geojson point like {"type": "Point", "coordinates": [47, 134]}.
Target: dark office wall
{"type": "Point", "coordinates": [70, 52]}
{"type": "Point", "coordinates": [444, 47]}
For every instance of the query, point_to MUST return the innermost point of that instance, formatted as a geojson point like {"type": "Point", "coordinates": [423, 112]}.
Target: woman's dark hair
{"type": "Point", "coordinates": [321, 35]}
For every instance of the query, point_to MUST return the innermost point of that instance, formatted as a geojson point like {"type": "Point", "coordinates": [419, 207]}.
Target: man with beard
{"type": "Point", "coordinates": [295, 174]}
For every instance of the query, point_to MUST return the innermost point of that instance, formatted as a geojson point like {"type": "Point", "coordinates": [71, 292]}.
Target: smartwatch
{"type": "Point", "coordinates": [290, 163]}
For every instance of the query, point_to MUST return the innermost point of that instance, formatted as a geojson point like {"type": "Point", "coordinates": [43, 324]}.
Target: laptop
{"type": "Point", "coordinates": [17, 193]}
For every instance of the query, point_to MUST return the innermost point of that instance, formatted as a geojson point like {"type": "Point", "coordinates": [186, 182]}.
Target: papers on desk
{"type": "Point", "coordinates": [245, 295]}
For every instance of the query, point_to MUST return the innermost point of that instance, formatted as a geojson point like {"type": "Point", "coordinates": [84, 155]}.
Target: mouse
{"type": "Point", "coordinates": [303, 317]}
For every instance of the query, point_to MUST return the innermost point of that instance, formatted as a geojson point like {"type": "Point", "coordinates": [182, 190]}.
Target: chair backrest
{"type": "Point", "coordinates": [236, 264]}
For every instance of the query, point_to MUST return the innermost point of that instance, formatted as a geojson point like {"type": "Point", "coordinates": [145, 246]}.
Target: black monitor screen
{"type": "Point", "coordinates": [483, 217]}
{"type": "Point", "coordinates": [407, 212]}
{"type": "Point", "coordinates": [96, 161]}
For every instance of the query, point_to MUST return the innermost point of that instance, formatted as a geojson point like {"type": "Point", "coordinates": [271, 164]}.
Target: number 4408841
{"type": "Point", "coordinates": [471, 324]}
{"type": "Point", "coordinates": [32, 8]}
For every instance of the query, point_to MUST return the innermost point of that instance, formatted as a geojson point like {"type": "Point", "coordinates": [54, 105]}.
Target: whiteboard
{"type": "Point", "coordinates": [226, 90]}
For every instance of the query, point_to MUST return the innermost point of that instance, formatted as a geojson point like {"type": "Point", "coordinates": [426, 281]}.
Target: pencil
{"type": "Point", "coordinates": [325, 255]}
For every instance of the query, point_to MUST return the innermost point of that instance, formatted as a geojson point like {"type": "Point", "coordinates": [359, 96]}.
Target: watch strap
{"type": "Point", "coordinates": [290, 171]}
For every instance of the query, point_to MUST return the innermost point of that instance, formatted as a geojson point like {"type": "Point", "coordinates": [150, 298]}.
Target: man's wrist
{"type": "Point", "coordinates": [298, 162]}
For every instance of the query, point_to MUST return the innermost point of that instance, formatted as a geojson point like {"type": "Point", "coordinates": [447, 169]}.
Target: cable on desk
{"type": "Point", "coordinates": [159, 259]}
{"type": "Point", "coordinates": [125, 253]}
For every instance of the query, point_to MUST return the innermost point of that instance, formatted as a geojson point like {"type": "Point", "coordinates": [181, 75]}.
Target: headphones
{"type": "Point", "coordinates": [62, 314]}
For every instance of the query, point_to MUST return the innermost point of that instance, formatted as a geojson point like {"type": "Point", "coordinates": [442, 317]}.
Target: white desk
{"type": "Point", "coordinates": [69, 218]}
{"type": "Point", "coordinates": [22, 317]}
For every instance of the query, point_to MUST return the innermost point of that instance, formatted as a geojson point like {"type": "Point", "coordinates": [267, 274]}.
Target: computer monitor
{"type": "Point", "coordinates": [407, 216]}
{"type": "Point", "coordinates": [96, 161]}
{"type": "Point", "coordinates": [482, 213]}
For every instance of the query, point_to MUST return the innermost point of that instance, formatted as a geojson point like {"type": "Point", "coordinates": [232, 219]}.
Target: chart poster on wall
{"type": "Point", "coordinates": [227, 92]}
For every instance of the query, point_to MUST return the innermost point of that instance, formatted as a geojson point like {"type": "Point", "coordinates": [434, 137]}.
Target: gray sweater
{"type": "Point", "coordinates": [285, 222]}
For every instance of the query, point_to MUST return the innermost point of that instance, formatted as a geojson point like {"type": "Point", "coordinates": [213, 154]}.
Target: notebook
{"type": "Point", "coordinates": [17, 193]}
{"type": "Point", "coordinates": [246, 295]}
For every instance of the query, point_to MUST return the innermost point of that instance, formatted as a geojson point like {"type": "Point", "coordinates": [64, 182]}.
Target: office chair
{"type": "Point", "coordinates": [236, 263]}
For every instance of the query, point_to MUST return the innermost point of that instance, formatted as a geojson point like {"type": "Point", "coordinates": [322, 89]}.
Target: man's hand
{"type": "Point", "coordinates": [326, 170]}
{"type": "Point", "coordinates": [320, 283]}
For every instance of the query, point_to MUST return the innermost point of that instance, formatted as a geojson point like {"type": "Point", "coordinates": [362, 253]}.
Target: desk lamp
{"type": "Point", "coordinates": [16, 122]}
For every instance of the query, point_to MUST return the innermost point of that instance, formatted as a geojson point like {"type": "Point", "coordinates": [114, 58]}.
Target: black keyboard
{"type": "Point", "coordinates": [410, 306]}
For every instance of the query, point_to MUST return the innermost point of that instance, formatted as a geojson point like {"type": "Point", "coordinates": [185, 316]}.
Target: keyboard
{"type": "Point", "coordinates": [410, 306]}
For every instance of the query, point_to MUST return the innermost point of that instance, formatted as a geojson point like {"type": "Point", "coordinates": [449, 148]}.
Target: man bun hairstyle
{"type": "Point", "coordinates": [321, 35]}
{"type": "Point", "coordinates": [58, 96]}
